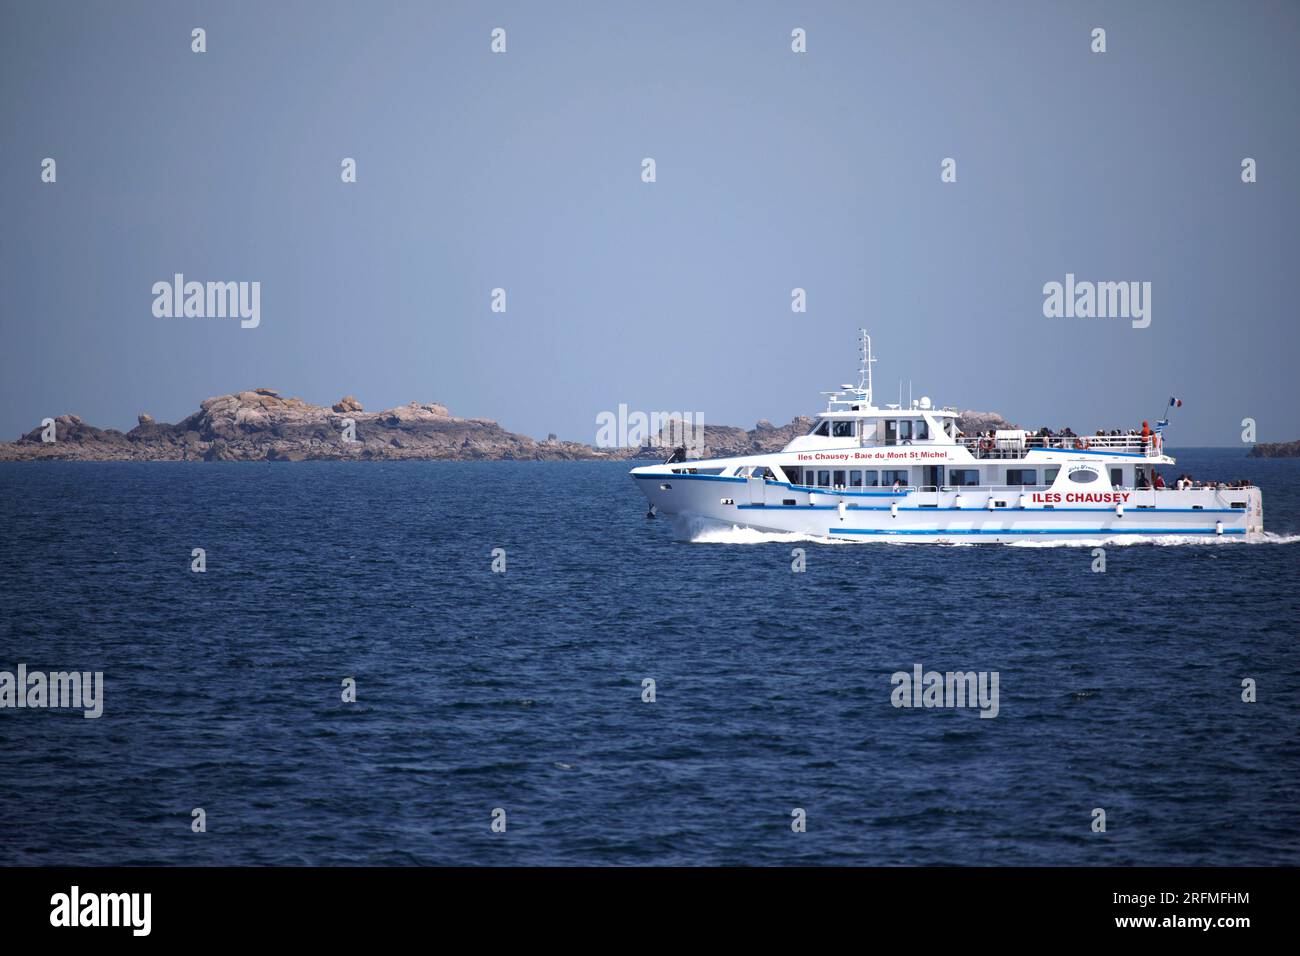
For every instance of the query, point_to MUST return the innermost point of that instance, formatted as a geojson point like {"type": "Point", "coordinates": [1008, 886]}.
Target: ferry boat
{"type": "Point", "coordinates": [909, 473]}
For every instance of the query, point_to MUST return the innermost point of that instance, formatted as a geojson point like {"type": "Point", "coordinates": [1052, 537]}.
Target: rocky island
{"type": "Point", "coordinates": [1280, 449]}
{"type": "Point", "coordinates": [261, 425]}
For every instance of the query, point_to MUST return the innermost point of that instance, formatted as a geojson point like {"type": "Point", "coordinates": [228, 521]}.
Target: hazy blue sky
{"type": "Point", "coordinates": [775, 170]}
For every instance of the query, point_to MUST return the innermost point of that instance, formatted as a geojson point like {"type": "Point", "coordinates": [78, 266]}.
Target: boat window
{"type": "Point", "coordinates": [824, 479]}
{"type": "Point", "coordinates": [792, 473]}
{"type": "Point", "coordinates": [761, 471]}
{"type": "Point", "coordinates": [1117, 477]}
{"type": "Point", "coordinates": [965, 477]}
{"type": "Point", "coordinates": [1049, 475]}
{"type": "Point", "coordinates": [922, 430]}
{"type": "Point", "coordinates": [889, 476]}
{"type": "Point", "coordinates": [1022, 476]}
{"type": "Point", "coordinates": [839, 480]}
{"type": "Point", "coordinates": [871, 478]}
{"type": "Point", "coordinates": [1083, 477]}
{"type": "Point", "coordinates": [904, 430]}
{"type": "Point", "coordinates": [842, 429]}
{"type": "Point", "coordinates": [855, 479]}
{"type": "Point", "coordinates": [821, 429]}
{"type": "Point", "coordinates": [891, 431]}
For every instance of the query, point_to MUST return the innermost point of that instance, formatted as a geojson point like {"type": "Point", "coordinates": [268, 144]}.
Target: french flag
{"type": "Point", "coordinates": [1175, 403]}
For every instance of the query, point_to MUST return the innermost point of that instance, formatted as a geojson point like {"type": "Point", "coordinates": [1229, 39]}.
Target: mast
{"type": "Point", "coordinates": [864, 366]}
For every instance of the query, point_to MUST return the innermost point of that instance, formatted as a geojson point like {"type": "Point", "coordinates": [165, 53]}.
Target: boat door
{"type": "Point", "coordinates": [757, 491]}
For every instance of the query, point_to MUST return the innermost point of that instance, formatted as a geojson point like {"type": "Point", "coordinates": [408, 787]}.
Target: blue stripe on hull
{"type": "Point", "coordinates": [1133, 510]}
{"type": "Point", "coordinates": [666, 476]}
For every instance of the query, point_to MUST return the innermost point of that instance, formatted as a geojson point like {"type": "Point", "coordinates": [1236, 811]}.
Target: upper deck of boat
{"type": "Point", "coordinates": [982, 447]}
{"type": "Point", "coordinates": [922, 429]}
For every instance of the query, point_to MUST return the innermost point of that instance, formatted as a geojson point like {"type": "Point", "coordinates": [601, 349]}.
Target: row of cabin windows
{"type": "Point", "coordinates": [905, 430]}
{"type": "Point", "coordinates": [869, 478]}
{"type": "Point", "coordinates": [836, 429]}
{"type": "Point", "coordinates": [845, 477]}
{"type": "Point", "coordinates": [896, 429]}
{"type": "Point", "coordinates": [1029, 476]}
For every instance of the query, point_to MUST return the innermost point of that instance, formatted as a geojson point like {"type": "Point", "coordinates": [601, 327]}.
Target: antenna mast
{"type": "Point", "coordinates": [864, 365]}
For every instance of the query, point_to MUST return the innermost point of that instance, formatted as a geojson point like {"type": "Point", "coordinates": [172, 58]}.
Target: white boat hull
{"type": "Point", "coordinates": [947, 517]}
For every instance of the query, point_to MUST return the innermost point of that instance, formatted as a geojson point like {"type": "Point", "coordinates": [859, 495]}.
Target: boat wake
{"type": "Point", "coordinates": [1164, 540]}
{"type": "Point", "coordinates": [704, 531]}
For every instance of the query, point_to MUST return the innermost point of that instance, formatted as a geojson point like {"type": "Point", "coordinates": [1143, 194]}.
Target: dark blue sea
{"type": "Point", "coordinates": [523, 690]}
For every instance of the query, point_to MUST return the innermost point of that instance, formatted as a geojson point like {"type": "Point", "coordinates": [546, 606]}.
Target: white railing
{"type": "Point", "coordinates": [1001, 448]}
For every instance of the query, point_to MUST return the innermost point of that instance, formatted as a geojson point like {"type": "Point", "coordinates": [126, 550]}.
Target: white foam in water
{"type": "Point", "coordinates": [698, 531]}
{"type": "Point", "coordinates": [704, 531]}
{"type": "Point", "coordinates": [1164, 540]}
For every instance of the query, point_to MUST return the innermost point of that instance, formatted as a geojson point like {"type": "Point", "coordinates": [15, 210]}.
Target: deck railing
{"type": "Point", "coordinates": [1015, 448]}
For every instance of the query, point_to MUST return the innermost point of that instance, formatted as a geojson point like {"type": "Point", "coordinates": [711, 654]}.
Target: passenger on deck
{"type": "Point", "coordinates": [1143, 484]}
{"type": "Point", "coordinates": [1160, 481]}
